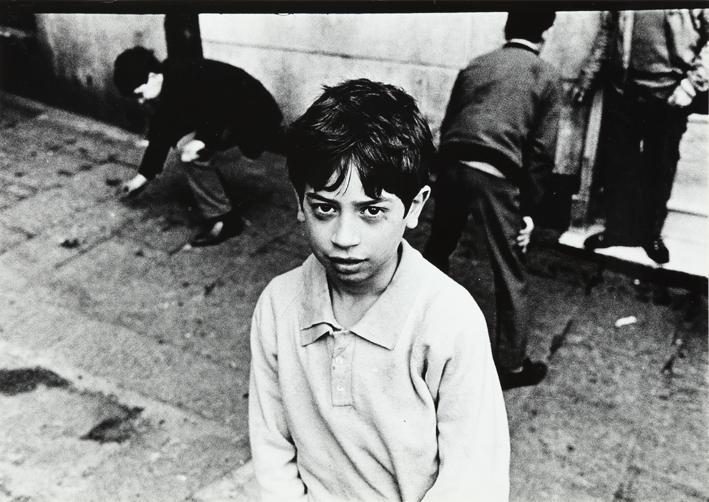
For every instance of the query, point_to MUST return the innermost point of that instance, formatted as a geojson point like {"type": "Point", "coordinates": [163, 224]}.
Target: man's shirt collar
{"type": "Point", "coordinates": [383, 321]}
{"type": "Point", "coordinates": [523, 44]}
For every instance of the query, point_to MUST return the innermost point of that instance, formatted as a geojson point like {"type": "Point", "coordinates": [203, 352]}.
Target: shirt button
{"type": "Point", "coordinates": [340, 388]}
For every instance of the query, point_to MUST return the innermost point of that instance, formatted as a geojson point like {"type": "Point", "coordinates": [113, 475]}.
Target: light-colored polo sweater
{"type": "Point", "coordinates": [404, 405]}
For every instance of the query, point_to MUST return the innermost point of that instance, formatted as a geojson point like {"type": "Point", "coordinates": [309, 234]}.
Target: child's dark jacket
{"type": "Point", "coordinates": [504, 110]}
{"type": "Point", "coordinates": [222, 104]}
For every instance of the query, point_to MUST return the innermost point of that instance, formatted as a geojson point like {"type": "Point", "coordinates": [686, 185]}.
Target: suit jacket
{"type": "Point", "coordinates": [504, 110]}
{"type": "Point", "coordinates": [686, 33]}
{"type": "Point", "coordinates": [222, 104]}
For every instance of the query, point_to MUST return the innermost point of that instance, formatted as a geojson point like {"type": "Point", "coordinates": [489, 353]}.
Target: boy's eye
{"type": "Point", "coordinates": [323, 209]}
{"type": "Point", "coordinates": [373, 211]}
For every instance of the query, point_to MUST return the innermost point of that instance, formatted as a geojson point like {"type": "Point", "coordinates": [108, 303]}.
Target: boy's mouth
{"type": "Point", "coordinates": [344, 261]}
{"type": "Point", "coordinates": [344, 264]}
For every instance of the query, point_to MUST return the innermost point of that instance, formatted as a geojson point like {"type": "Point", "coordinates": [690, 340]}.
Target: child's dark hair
{"type": "Point", "coordinates": [529, 24]}
{"type": "Point", "coordinates": [132, 67]}
{"type": "Point", "coordinates": [373, 127]}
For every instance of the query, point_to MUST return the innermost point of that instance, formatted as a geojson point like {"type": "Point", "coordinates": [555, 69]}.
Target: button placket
{"type": "Point", "coordinates": [341, 374]}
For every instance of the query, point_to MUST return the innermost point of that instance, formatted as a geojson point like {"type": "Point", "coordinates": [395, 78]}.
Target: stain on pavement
{"type": "Point", "coordinates": [117, 428]}
{"type": "Point", "coordinates": [17, 381]}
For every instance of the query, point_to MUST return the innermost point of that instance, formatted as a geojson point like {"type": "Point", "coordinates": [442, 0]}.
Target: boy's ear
{"type": "Point", "coordinates": [300, 216]}
{"type": "Point", "coordinates": [412, 217]}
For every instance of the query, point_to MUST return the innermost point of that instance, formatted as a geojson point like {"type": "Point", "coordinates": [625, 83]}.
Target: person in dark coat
{"type": "Point", "coordinates": [203, 108]}
{"type": "Point", "coordinates": [498, 140]}
{"type": "Point", "coordinates": [653, 65]}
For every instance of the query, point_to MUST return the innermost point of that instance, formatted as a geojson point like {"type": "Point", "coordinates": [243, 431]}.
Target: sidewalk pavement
{"type": "Point", "coordinates": [124, 357]}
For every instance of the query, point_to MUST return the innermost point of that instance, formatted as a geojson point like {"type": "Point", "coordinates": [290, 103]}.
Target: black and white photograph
{"type": "Point", "coordinates": [420, 251]}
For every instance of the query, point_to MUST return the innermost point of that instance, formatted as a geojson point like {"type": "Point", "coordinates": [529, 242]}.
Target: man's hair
{"type": "Point", "coordinates": [529, 24]}
{"type": "Point", "coordinates": [132, 67]}
{"type": "Point", "coordinates": [373, 127]}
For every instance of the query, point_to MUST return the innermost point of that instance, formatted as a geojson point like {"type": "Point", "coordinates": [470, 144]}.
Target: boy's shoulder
{"type": "Point", "coordinates": [443, 298]}
{"type": "Point", "coordinates": [444, 307]}
{"type": "Point", "coordinates": [287, 284]}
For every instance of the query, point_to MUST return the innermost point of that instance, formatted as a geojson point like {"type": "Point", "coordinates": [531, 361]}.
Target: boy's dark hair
{"type": "Point", "coordinates": [373, 127]}
{"type": "Point", "coordinates": [528, 24]}
{"type": "Point", "coordinates": [132, 67]}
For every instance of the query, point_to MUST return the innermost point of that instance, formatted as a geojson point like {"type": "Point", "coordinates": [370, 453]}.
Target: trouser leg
{"type": "Point", "coordinates": [664, 129]}
{"type": "Point", "coordinates": [496, 208]}
{"type": "Point", "coordinates": [208, 188]}
{"type": "Point", "coordinates": [450, 214]}
{"type": "Point", "coordinates": [620, 162]}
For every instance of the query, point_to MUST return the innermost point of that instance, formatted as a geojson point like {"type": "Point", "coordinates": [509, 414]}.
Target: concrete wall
{"type": "Point", "coordinates": [294, 55]}
{"type": "Point", "coordinates": [80, 50]}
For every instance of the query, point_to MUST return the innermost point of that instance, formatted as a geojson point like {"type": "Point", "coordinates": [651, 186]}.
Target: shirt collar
{"type": "Point", "coordinates": [523, 44]}
{"type": "Point", "coordinates": [381, 324]}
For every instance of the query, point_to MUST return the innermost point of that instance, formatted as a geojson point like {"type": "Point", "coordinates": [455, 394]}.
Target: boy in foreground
{"type": "Point", "coordinates": [371, 373]}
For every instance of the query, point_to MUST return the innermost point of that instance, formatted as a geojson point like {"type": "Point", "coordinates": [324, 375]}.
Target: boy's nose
{"type": "Point", "coordinates": [346, 233]}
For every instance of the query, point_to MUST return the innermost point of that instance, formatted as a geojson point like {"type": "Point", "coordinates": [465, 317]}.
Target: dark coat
{"type": "Point", "coordinates": [504, 110]}
{"type": "Point", "coordinates": [222, 104]}
{"type": "Point", "coordinates": [686, 41]}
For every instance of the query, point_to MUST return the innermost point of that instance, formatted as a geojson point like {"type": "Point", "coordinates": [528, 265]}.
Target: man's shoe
{"type": "Point", "coordinates": [219, 231]}
{"type": "Point", "coordinates": [532, 373]}
{"type": "Point", "coordinates": [597, 241]}
{"type": "Point", "coordinates": [657, 251]}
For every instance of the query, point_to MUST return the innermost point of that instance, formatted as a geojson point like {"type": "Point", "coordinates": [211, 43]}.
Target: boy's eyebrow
{"type": "Point", "coordinates": [316, 196]}
{"type": "Point", "coordinates": [368, 202]}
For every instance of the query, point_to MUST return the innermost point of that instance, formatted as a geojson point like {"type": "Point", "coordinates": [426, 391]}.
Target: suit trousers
{"type": "Point", "coordinates": [638, 155]}
{"type": "Point", "coordinates": [460, 191]}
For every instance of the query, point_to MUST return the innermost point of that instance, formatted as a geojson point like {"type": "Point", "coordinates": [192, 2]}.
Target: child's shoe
{"type": "Point", "coordinates": [532, 373]}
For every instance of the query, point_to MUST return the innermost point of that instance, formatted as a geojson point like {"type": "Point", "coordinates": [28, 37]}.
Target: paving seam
{"type": "Point", "coordinates": [76, 371]}
{"type": "Point", "coordinates": [98, 319]}
{"type": "Point", "coordinates": [48, 113]}
{"type": "Point", "coordinates": [83, 381]}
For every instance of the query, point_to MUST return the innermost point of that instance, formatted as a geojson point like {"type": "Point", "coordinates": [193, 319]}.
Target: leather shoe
{"type": "Point", "coordinates": [212, 235]}
{"type": "Point", "coordinates": [597, 241]}
{"type": "Point", "coordinates": [657, 251]}
{"type": "Point", "coordinates": [532, 373]}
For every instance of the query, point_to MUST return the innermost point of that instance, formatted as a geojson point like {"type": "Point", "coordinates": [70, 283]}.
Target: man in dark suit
{"type": "Point", "coordinates": [203, 108]}
{"type": "Point", "coordinates": [653, 65]}
{"type": "Point", "coordinates": [498, 140]}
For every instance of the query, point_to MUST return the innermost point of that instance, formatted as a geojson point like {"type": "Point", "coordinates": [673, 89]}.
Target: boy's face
{"type": "Point", "coordinates": [355, 237]}
{"type": "Point", "coordinates": [149, 90]}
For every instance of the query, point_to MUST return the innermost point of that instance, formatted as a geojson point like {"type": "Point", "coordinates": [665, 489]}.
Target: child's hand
{"type": "Point", "coordinates": [189, 152]}
{"type": "Point", "coordinates": [579, 95]}
{"type": "Point", "coordinates": [682, 95]}
{"type": "Point", "coordinates": [525, 234]}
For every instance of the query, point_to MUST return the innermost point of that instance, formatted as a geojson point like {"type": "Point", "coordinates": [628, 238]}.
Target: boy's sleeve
{"type": "Point", "coordinates": [473, 435]}
{"type": "Point", "coordinates": [155, 154]}
{"type": "Point", "coordinates": [272, 447]}
{"type": "Point", "coordinates": [541, 154]}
